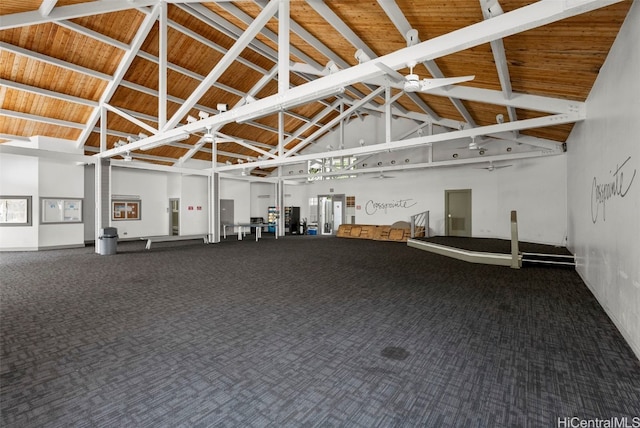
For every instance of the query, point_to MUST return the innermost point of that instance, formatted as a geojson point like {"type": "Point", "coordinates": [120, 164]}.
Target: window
{"type": "Point", "coordinates": [15, 210]}
{"type": "Point", "coordinates": [317, 168]}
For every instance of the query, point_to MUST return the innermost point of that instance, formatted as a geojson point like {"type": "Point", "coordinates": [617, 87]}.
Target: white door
{"type": "Point", "coordinates": [337, 214]}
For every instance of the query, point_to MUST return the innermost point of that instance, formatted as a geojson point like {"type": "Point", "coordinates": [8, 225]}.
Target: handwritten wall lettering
{"type": "Point", "coordinates": [616, 185]}
{"type": "Point", "coordinates": [371, 207]}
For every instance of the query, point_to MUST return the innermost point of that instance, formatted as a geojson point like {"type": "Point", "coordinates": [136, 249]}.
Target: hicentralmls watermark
{"type": "Point", "coordinates": [614, 422]}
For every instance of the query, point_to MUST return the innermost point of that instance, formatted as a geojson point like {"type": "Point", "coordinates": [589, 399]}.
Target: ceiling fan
{"type": "Point", "coordinates": [209, 136]}
{"type": "Point", "coordinates": [491, 167]}
{"type": "Point", "coordinates": [412, 82]}
{"type": "Point", "coordinates": [474, 145]}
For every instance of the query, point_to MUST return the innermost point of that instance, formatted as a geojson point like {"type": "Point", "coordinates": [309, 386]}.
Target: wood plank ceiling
{"type": "Point", "coordinates": [54, 73]}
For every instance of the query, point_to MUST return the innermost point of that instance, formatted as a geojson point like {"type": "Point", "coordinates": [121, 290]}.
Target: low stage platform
{"type": "Point", "coordinates": [493, 250]}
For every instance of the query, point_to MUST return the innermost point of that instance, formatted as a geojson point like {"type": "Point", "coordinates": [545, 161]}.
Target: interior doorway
{"type": "Point", "coordinates": [174, 216]}
{"type": "Point", "coordinates": [331, 213]}
{"type": "Point", "coordinates": [226, 213]}
{"type": "Point", "coordinates": [457, 208]}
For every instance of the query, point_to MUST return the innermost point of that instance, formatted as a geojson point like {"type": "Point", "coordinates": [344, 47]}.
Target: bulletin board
{"type": "Point", "coordinates": [61, 210]}
{"type": "Point", "coordinates": [125, 210]}
{"type": "Point", "coordinates": [15, 210]}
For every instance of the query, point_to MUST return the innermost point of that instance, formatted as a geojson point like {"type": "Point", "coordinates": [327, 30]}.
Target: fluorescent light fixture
{"type": "Point", "coordinates": [164, 140]}
{"type": "Point", "coordinates": [203, 114]}
{"type": "Point", "coordinates": [222, 107]}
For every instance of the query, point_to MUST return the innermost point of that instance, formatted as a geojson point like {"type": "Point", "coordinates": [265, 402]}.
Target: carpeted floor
{"type": "Point", "coordinates": [302, 331]}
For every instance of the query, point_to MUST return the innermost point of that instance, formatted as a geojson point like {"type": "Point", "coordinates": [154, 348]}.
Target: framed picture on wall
{"type": "Point", "coordinates": [15, 210]}
{"type": "Point", "coordinates": [125, 210]}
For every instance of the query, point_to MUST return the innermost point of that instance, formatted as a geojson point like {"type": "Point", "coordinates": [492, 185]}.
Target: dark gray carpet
{"type": "Point", "coordinates": [301, 331]}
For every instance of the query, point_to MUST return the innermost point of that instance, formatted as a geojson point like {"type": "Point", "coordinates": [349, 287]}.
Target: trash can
{"type": "Point", "coordinates": [108, 241]}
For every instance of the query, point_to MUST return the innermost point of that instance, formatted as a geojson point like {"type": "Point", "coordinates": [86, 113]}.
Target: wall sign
{"type": "Point", "coordinates": [371, 207]}
{"type": "Point", "coordinates": [617, 185]}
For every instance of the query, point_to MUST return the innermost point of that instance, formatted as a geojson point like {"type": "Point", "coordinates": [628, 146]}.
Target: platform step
{"type": "Point", "coordinates": [549, 259]}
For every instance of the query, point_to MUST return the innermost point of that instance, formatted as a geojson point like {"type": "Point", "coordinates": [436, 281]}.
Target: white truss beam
{"type": "Point", "coordinates": [46, 7]}
{"type": "Point", "coordinates": [125, 62]}
{"type": "Point", "coordinates": [499, 56]}
{"type": "Point", "coordinates": [421, 141]}
{"type": "Point", "coordinates": [517, 100]}
{"type": "Point", "coordinates": [9, 149]}
{"type": "Point", "coordinates": [334, 121]}
{"type": "Point", "coordinates": [523, 19]}
{"type": "Point", "coordinates": [266, 78]}
{"type": "Point", "coordinates": [54, 61]}
{"type": "Point", "coordinates": [283, 46]}
{"type": "Point", "coordinates": [162, 64]}
{"type": "Point", "coordinates": [92, 34]}
{"type": "Point", "coordinates": [41, 119]}
{"type": "Point", "coordinates": [235, 50]}
{"type": "Point", "coordinates": [265, 50]}
{"type": "Point", "coordinates": [98, 7]}
{"type": "Point", "coordinates": [130, 118]}
{"type": "Point", "coordinates": [402, 24]}
{"type": "Point", "coordinates": [47, 93]}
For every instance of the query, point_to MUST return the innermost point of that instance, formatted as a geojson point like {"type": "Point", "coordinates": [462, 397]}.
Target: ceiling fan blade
{"type": "Point", "coordinates": [394, 75]}
{"type": "Point", "coordinates": [428, 84]}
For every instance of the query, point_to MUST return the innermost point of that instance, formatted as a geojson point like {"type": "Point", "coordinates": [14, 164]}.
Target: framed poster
{"type": "Point", "coordinates": [15, 210]}
{"type": "Point", "coordinates": [61, 210]}
{"type": "Point", "coordinates": [125, 210]}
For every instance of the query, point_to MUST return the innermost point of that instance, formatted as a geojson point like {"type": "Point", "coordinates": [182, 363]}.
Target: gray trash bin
{"type": "Point", "coordinates": [108, 241]}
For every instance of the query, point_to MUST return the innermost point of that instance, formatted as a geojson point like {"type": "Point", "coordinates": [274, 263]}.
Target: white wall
{"type": "Point", "coordinates": [604, 154]}
{"type": "Point", "coordinates": [42, 178]}
{"type": "Point", "coordinates": [240, 192]}
{"type": "Point", "coordinates": [194, 205]}
{"type": "Point", "coordinates": [19, 177]}
{"type": "Point", "coordinates": [534, 187]}
{"type": "Point", "coordinates": [262, 197]}
{"type": "Point", "coordinates": [151, 188]}
{"type": "Point", "coordinates": [60, 180]}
